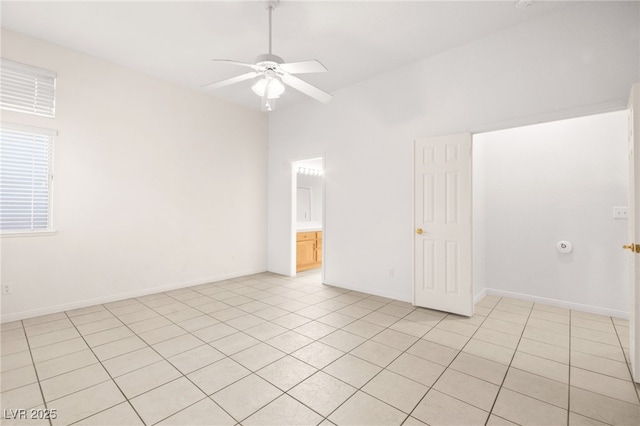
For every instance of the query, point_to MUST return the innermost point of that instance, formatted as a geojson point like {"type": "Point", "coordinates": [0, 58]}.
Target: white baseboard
{"type": "Point", "coordinates": [478, 297]}
{"type": "Point", "coordinates": [16, 316]}
{"type": "Point", "coordinates": [373, 292]}
{"type": "Point", "coordinates": [554, 302]}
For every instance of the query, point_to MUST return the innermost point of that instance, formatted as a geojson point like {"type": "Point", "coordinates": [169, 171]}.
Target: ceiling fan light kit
{"type": "Point", "coordinates": [271, 87]}
{"type": "Point", "coordinates": [274, 74]}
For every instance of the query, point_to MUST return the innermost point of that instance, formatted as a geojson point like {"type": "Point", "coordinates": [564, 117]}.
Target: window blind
{"type": "Point", "coordinates": [25, 180]}
{"type": "Point", "coordinates": [28, 89]}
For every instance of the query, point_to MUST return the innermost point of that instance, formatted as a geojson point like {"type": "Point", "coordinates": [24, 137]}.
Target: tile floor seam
{"type": "Point", "coordinates": [163, 359]}
{"type": "Point", "coordinates": [542, 341]}
{"type": "Point", "coordinates": [226, 356]}
{"type": "Point", "coordinates": [260, 282]}
{"type": "Point", "coordinates": [449, 365]}
{"type": "Point", "coordinates": [183, 409]}
{"type": "Point", "coordinates": [315, 411]}
{"type": "Point", "coordinates": [284, 392]}
{"type": "Point", "coordinates": [601, 357]}
{"type": "Point", "coordinates": [110, 377]}
{"type": "Point", "coordinates": [44, 401]}
{"type": "Point", "coordinates": [57, 357]}
{"type": "Point", "coordinates": [182, 375]}
{"type": "Point", "coordinates": [626, 360]}
{"type": "Point", "coordinates": [383, 368]}
{"type": "Point", "coordinates": [569, 411]}
{"type": "Point", "coordinates": [501, 386]}
{"type": "Point", "coordinates": [403, 352]}
{"type": "Point", "coordinates": [602, 374]}
{"type": "Point", "coordinates": [188, 331]}
{"type": "Point", "coordinates": [569, 373]}
{"type": "Point", "coordinates": [537, 327]}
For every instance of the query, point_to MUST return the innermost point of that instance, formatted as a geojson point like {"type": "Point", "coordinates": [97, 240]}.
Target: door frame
{"type": "Point", "coordinates": [293, 212]}
{"type": "Point", "coordinates": [633, 108]}
{"type": "Point", "coordinates": [634, 308]}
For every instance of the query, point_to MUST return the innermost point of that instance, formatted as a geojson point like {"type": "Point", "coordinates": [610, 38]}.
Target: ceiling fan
{"type": "Point", "coordinates": [273, 72]}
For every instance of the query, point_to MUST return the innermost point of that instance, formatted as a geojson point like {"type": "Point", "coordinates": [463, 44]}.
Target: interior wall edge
{"type": "Point", "coordinates": [551, 116]}
{"type": "Point", "coordinates": [17, 316]}
{"type": "Point", "coordinates": [558, 303]}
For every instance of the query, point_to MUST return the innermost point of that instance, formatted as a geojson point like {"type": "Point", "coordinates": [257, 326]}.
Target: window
{"type": "Point", "coordinates": [26, 176]}
{"type": "Point", "coordinates": [28, 89]}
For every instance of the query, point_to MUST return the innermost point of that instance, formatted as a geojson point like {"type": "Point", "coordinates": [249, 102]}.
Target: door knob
{"type": "Point", "coordinates": [633, 247]}
{"type": "Point", "coordinates": [419, 231]}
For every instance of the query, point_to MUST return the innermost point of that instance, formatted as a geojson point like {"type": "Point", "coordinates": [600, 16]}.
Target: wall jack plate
{"type": "Point", "coordinates": [620, 212]}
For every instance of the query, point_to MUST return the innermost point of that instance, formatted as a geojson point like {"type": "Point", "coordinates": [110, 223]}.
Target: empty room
{"type": "Point", "coordinates": [320, 212]}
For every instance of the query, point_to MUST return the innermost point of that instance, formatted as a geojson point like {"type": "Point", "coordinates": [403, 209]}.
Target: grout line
{"type": "Point", "coordinates": [624, 354]}
{"type": "Point", "coordinates": [260, 286]}
{"type": "Point", "coordinates": [359, 389]}
{"type": "Point", "coordinates": [569, 378]}
{"type": "Point", "coordinates": [33, 364]}
{"type": "Point", "coordinates": [110, 376]}
{"type": "Point", "coordinates": [226, 356]}
{"type": "Point", "coordinates": [148, 345]}
{"type": "Point", "coordinates": [515, 351]}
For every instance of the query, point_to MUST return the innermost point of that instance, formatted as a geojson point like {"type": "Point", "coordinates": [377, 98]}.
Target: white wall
{"type": "Point", "coordinates": [547, 183]}
{"type": "Point", "coordinates": [580, 60]}
{"type": "Point", "coordinates": [155, 187]}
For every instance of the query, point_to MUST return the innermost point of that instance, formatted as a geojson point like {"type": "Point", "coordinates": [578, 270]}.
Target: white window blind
{"type": "Point", "coordinates": [28, 89]}
{"type": "Point", "coordinates": [25, 178]}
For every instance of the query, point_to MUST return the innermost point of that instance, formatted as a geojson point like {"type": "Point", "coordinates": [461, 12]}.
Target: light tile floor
{"type": "Point", "coordinates": [273, 350]}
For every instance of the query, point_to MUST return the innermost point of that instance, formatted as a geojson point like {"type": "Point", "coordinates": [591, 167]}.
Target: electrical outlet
{"type": "Point", "coordinates": [392, 272]}
{"type": "Point", "coordinates": [6, 289]}
{"type": "Point", "coordinates": [620, 212]}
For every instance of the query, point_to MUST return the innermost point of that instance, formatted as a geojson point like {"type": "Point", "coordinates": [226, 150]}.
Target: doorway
{"type": "Point", "coordinates": [535, 189]}
{"type": "Point", "coordinates": [540, 186]}
{"type": "Point", "coordinates": [308, 215]}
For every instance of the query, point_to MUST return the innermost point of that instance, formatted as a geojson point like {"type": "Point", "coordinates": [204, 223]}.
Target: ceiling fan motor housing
{"type": "Point", "coordinates": [268, 57]}
{"type": "Point", "coordinates": [275, 73]}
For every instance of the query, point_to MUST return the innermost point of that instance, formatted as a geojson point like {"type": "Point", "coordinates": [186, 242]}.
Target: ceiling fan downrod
{"type": "Point", "coordinates": [271, 4]}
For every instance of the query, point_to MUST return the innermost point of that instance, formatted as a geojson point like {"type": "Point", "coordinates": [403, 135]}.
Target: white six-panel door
{"type": "Point", "coordinates": [442, 219]}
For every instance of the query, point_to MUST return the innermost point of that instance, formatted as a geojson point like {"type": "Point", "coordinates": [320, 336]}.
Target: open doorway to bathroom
{"type": "Point", "coordinates": [308, 177]}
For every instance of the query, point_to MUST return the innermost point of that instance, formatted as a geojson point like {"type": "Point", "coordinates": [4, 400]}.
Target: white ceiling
{"type": "Point", "coordinates": [175, 41]}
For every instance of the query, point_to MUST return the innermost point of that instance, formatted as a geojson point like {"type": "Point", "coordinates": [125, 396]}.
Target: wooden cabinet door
{"type": "Point", "coordinates": [305, 254]}
{"type": "Point", "coordinates": [319, 247]}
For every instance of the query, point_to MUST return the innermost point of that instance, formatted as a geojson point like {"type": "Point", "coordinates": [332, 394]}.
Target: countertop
{"type": "Point", "coordinates": [308, 226]}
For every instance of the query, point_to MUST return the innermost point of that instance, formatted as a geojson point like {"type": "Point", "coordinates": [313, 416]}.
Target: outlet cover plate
{"type": "Point", "coordinates": [620, 212]}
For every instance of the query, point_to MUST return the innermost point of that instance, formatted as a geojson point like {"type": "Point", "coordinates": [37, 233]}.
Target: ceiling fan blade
{"type": "Point", "coordinates": [303, 67]}
{"type": "Point", "coordinates": [306, 88]}
{"type": "Point", "coordinates": [232, 80]}
{"type": "Point", "coordinates": [242, 64]}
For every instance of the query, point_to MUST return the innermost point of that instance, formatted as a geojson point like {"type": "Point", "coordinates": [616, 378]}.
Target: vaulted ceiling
{"type": "Point", "coordinates": [175, 41]}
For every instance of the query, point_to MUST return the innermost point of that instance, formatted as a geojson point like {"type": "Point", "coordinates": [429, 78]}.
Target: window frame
{"type": "Point", "coordinates": [51, 135]}
{"type": "Point", "coordinates": [27, 89]}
